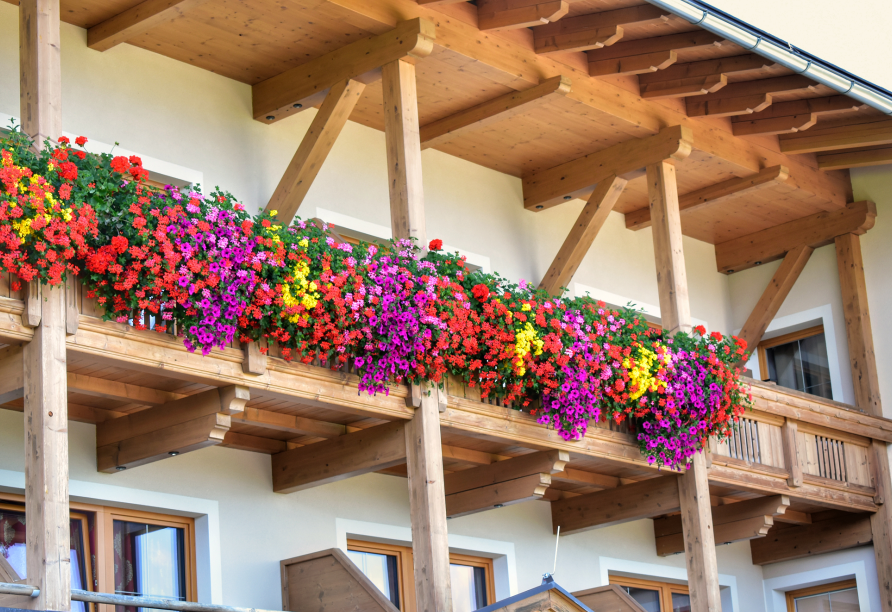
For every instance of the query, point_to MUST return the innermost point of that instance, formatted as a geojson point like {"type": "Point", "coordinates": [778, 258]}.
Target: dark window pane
{"type": "Point", "coordinates": [381, 570]}
{"type": "Point", "coordinates": [646, 598]}
{"type": "Point", "coordinates": [681, 602]}
{"type": "Point", "coordinates": [802, 365]}
{"type": "Point", "coordinates": [150, 560]}
{"type": "Point", "coordinates": [468, 587]}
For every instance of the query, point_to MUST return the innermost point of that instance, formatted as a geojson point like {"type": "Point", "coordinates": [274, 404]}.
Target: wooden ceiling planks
{"type": "Point", "coordinates": [251, 40]}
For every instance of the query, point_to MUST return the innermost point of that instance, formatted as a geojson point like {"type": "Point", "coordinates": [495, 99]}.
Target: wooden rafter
{"type": "Point", "coordinates": [503, 483]}
{"type": "Point", "coordinates": [499, 109]}
{"type": "Point", "coordinates": [100, 387]}
{"type": "Point", "coordinates": [774, 295]}
{"type": "Point", "coordinates": [513, 14]}
{"type": "Point", "coordinates": [314, 149]}
{"type": "Point", "coordinates": [623, 504]}
{"type": "Point", "coordinates": [634, 64]}
{"type": "Point", "coordinates": [607, 60]}
{"type": "Point", "coordinates": [12, 374]}
{"type": "Point", "coordinates": [878, 132]}
{"type": "Point", "coordinates": [304, 86]}
{"type": "Point", "coordinates": [856, 158]}
{"type": "Point", "coordinates": [577, 178]}
{"type": "Point", "coordinates": [738, 98]}
{"type": "Point", "coordinates": [583, 233]}
{"type": "Point", "coordinates": [174, 428]}
{"type": "Point", "coordinates": [792, 116]}
{"type": "Point", "coordinates": [745, 520]}
{"type": "Point", "coordinates": [136, 21]}
{"type": "Point", "coordinates": [595, 30]}
{"type": "Point", "coordinates": [517, 65]}
{"type": "Point", "coordinates": [773, 243]}
{"type": "Point", "coordinates": [708, 196]}
{"type": "Point", "coordinates": [698, 78]}
{"type": "Point", "coordinates": [839, 532]}
{"type": "Point", "coordinates": [352, 454]}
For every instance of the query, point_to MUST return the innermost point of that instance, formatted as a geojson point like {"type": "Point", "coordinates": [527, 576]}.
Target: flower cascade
{"type": "Point", "coordinates": [202, 267]}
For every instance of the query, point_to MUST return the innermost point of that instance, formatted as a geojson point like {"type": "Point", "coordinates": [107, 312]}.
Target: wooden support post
{"type": "Point", "coordinates": [675, 310]}
{"type": "Point", "coordinates": [427, 502]}
{"type": "Point", "coordinates": [865, 379]}
{"type": "Point", "coordinates": [791, 453]}
{"type": "Point", "coordinates": [401, 132]}
{"type": "Point", "coordinates": [583, 233]}
{"type": "Point", "coordinates": [45, 389]}
{"type": "Point", "coordinates": [424, 453]}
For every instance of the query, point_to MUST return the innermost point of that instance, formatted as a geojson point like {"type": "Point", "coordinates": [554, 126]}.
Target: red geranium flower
{"type": "Point", "coordinates": [80, 141]}
{"type": "Point", "coordinates": [436, 244]}
{"type": "Point", "coordinates": [64, 140]}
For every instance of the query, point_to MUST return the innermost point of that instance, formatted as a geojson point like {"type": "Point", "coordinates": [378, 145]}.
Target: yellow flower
{"type": "Point", "coordinates": [526, 307]}
{"type": "Point", "coordinates": [526, 340]}
{"type": "Point", "coordinates": [303, 243]}
{"type": "Point", "coordinates": [273, 213]}
{"type": "Point", "coordinates": [642, 375]}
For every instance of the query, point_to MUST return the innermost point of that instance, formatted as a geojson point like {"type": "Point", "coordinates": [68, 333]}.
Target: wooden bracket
{"type": "Point", "coordinates": [33, 304]}
{"type": "Point", "coordinates": [72, 312]}
{"type": "Point", "coordinates": [253, 360]}
{"type": "Point", "coordinates": [177, 427]}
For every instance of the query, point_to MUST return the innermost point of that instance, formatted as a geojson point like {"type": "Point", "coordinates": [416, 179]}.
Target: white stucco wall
{"type": "Point", "coordinates": [194, 119]}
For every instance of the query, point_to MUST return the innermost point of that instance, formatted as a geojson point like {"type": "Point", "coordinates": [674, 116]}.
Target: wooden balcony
{"type": "Point", "coordinates": [814, 451]}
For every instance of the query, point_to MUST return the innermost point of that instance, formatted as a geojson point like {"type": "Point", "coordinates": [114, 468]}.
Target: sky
{"type": "Point", "coordinates": [856, 35]}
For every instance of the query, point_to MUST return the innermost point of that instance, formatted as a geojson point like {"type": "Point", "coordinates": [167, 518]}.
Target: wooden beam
{"type": "Point", "coordinates": [865, 380]}
{"type": "Point", "coordinates": [839, 533]}
{"type": "Point", "coordinates": [697, 78]}
{"type": "Point", "coordinates": [583, 233]}
{"type": "Point", "coordinates": [253, 360]}
{"type": "Point", "coordinates": [498, 109]}
{"type": "Point", "coordinates": [304, 86]}
{"type": "Point", "coordinates": [289, 423]}
{"type": "Point", "coordinates": [633, 64]}
{"type": "Point", "coordinates": [708, 196]}
{"type": "Point", "coordinates": [254, 444]}
{"type": "Point", "coordinates": [178, 427]}
{"type": "Point", "coordinates": [314, 149]}
{"type": "Point", "coordinates": [352, 454]}
{"type": "Point", "coordinates": [789, 124]}
{"type": "Point", "coordinates": [577, 178]}
{"type": "Point", "coordinates": [773, 243]}
{"type": "Point", "coordinates": [646, 46]}
{"type": "Point", "coordinates": [855, 159]}
{"type": "Point", "coordinates": [136, 21]}
{"type": "Point", "coordinates": [110, 389]}
{"type": "Point", "coordinates": [792, 116]}
{"type": "Point", "coordinates": [402, 136]}
{"type": "Point", "coordinates": [545, 462]}
{"type": "Point", "coordinates": [774, 295]}
{"type": "Point", "coordinates": [513, 14]}
{"type": "Point", "coordinates": [728, 107]}
{"type": "Point", "coordinates": [743, 97]}
{"type": "Point", "coordinates": [630, 502]}
{"type": "Point", "coordinates": [819, 139]}
{"type": "Point", "coordinates": [735, 522]}
{"type": "Point", "coordinates": [595, 30]}
{"type": "Point", "coordinates": [497, 495]}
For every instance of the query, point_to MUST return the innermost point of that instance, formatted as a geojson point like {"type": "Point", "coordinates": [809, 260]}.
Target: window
{"type": "Point", "coordinates": [836, 597]}
{"type": "Point", "coordinates": [390, 568]}
{"type": "Point", "coordinates": [12, 547]}
{"type": "Point", "coordinates": [656, 596]}
{"type": "Point", "coordinates": [798, 361]}
{"type": "Point", "coordinates": [114, 551]}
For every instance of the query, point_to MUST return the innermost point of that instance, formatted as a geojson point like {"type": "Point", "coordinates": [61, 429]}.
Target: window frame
{"type": "Point", "coordinates": [802, 334]}
{"type": "Point", "coordinates": [406, 570]}
{"type": "Point", "coordinates": [104, 517]}
{"type": "Point", "coordinates": [842, 585]}
{"type": "Point", "coordinates": [666, 589]}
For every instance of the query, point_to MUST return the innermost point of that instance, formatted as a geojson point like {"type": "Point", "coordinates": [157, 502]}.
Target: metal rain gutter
{"type": "Point", "coordinates": [754, 40]}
